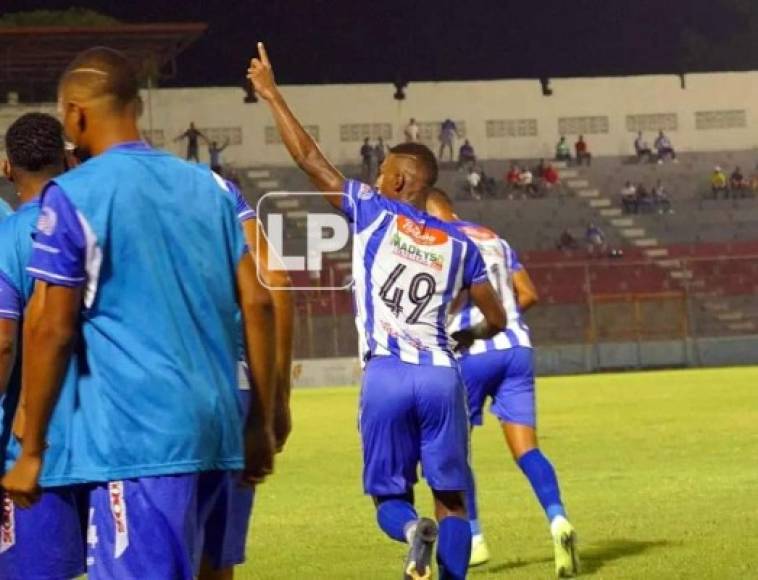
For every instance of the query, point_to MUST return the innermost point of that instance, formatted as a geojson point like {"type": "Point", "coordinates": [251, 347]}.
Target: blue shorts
{"type": "Point", "coordinates": [225, 533]}
{"type": "Point", "coordinates": [46, 541]}
{"type": "Point", "coordinates": [507, 377]}
{"type": "Point", "coordinates": [155, 527]}
{"type": "Point", "coordinates": [410, 414]}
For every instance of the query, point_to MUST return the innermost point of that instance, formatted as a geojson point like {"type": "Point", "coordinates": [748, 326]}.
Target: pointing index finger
{"type": "Point", "coordinates": [263, 54]}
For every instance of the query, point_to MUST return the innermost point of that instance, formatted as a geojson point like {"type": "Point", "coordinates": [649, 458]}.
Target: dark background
{"type": "Point", "coordinates": [319, 41]}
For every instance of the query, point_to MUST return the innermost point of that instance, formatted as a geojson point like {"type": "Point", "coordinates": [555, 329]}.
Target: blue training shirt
{"type": "Point", "coordinates": [15, 290]}
{"type": "Point", "coordinates": [155, 244]}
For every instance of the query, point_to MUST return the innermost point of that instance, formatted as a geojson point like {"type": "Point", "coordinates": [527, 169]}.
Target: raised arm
{"type": "Point", "coordinates": [301, 146]}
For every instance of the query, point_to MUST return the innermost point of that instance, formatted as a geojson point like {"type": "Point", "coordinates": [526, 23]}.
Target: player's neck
{"type": "Point", "coordinates": [417, 199]}
{"type": "Point", "coordinates": [113, 133]}
{"type": "Point", "coordinates": [31, 187]}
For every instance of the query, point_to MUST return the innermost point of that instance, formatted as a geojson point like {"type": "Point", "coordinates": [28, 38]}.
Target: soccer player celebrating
{"type": "Point", "coordinates": [408, 267]}
{"type": "Point", "coordinates": [140, 257]}
{"type": "Point", "coordinates": [46, 541]}
{"type": "Point", "coordinates": [502, 368]}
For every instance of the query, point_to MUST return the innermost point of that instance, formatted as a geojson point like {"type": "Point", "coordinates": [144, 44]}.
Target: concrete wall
{"type": "Point", "coordinates": [574, 359]}
{"type": "Point", "coordinates": [609, 100]}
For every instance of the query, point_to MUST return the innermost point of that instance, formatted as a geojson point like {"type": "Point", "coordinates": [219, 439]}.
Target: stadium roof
{"type": "Point", "coordinates": [37, 55]}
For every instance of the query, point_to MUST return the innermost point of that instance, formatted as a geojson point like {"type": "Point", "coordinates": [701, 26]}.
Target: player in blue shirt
{"type": "Point", "coordinates": [407, 268]}
{"type": "Point", "coordinates": [502, 368]}
{"type": "Point", "coordinates": [141, 270]}
{"type": "Point", "coordinates": [46, 541]}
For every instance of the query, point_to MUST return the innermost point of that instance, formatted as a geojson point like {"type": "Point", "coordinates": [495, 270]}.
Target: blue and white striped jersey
{"type": "Point", "coordinates": [407, 266]}
{"type": "Point", "coordinates": [501, 262]}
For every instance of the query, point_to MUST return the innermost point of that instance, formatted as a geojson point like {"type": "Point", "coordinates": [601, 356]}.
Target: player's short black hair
{"type": "Point", "coordinates": [423, 156]}
{"type": "Point", "coordinates": [107, 72]}
{"type": "Point", "coordinates": [34, 142]}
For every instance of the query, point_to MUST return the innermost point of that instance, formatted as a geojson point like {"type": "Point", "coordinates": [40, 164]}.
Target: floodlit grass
{"type": "Point", "coordinates": [659, 471]}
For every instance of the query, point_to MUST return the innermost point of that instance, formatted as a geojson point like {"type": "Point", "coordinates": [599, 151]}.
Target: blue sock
{"type": "Point", "coordinates": [471, 505]}
{"type": "Point", "coordinates": [541, 475]}
{"type": "Point", "coordinates": [454, 548]}
{"type": "Point", "coordinates": [393, 516]}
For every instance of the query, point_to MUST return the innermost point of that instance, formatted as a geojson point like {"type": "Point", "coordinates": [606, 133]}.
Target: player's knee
{"type": "Point", "coordinates": [449, 503]}
{"type": "Point", "coordinates": [408, 496]}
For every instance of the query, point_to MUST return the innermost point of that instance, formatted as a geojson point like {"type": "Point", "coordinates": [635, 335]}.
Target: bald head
{"type": "Point", "coordinates": [439, 204]}
{"type": "Point", "coordinates": [101, 74]}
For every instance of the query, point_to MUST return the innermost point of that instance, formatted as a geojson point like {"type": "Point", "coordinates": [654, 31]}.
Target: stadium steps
{"type": "Point", "coordinates": [709, 225]}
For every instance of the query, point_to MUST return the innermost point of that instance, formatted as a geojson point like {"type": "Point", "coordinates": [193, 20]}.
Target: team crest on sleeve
{"type": "Point", "coordinates": [48, 221]}
{"type": "Point", "coordinates": [365, 191]}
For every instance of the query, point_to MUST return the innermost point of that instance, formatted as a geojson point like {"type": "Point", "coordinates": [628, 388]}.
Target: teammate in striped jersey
{"type": "Point", "coordinates": [502, 368]}
{"type": "Point", "coordinates": [408, 267]}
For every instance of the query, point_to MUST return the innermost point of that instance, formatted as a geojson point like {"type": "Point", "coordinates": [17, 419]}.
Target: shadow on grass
{"type": "Point", "coordinates": [593, 557]}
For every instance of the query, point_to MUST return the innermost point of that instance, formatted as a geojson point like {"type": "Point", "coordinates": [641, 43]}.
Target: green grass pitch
{"type": "Point", "coordinates": [659, 472]}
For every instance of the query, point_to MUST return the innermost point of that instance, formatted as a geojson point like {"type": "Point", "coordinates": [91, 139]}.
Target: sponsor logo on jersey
{"type": "Point", "coordinates": [120, 521]}
{"type": "Point", "coordinates": [8, 529]}
{"type": "Point", "coordinates": [421, 234]}
{"type": "Point", "coordinates": [409, 242]}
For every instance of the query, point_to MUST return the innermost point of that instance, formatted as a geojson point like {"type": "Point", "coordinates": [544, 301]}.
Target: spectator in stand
{"type": "Point", "coordinates": [367, 159]}
{"type": "Point", "coordinates": [567, 241]}
{"type": "Point", "coordinates": [466, 155]}
{"type": "Point", "coordinates": [737, 183]}
{"type": "Point", "coordinates": [719, 183]}
{"type": "Point", "coordinates": [474, 180]}
{"type": "Point", "coordinates": [664, 148]}
{"type": "Point", "coordinates": [644, 199]}
{"type": "Point", "coordinates": [550, 177]}
{"type": "Point", "coordinates": [192, 134]}
{"type": "Point", "coordinates": [412, 132]}
{"type": "Point", "coordinates": [661, 199]}
{"type": "Point", "coordinates": [562, 150]}
{"type": "Point", "coordinates": [595, 239]}
{"type": "Point", "coordinates": [512, 177]}
{"type": "Point", "coordinates": [380, 152]}
{"type": "Point", "coordinates": [642, 149]}
{"type": "Point", "coordinates": [582, 152]}
{"type": "Point", "coordinates": [526, 181]}
{"type": "Point", "coordinates": [214, 153]}
{"type": "Point", "coordinates": [448, 133]}
{"type": "Point", "coordinates": [629, 198]}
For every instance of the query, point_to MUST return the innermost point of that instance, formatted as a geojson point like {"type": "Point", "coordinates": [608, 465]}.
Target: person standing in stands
{"type": "Point", "coordinates": [214, 152]}
{"type": "Point", "coordinates": [582, 152]}
{"type": "Point", "coordinates": [448, 133]}
{"type": "Point", "coordinates": [192, 134]}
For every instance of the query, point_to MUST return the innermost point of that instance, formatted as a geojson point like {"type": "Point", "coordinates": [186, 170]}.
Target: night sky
{"type": "Point", "coordinates": [316, 41]}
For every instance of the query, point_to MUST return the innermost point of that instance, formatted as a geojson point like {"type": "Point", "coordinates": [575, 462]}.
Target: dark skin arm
{"type": "Point", "coordinates": [301, 146]}
{"type": "Point", "coordinates": [51, 325]}
{"type": "Point", "coordinates": [258, 324]}
{"type": "Point", "coordinates": [279, 283]}
{"type": "Point", "coordinates": [8, 342]}
{"type": "Point", "coordinates": [485, 298]}
{"type": "Point", "coordinates": [526, 293]}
